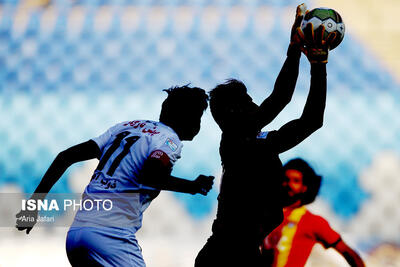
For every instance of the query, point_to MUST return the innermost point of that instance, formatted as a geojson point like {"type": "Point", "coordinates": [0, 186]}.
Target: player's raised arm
{"type": "Point", "coordinates": [294, 132]}
{"type": "Point", "coordinates": [287, 78]}
{"type": "Point", "coordinates": [84, 151]}
{"type": "Point", "coordinates": [156, 173]}
{"type": "Point", "coordinates": [349, 254]}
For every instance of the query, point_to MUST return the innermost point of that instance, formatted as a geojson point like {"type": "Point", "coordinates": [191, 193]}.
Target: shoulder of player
{"type": "Point", "coordinates": [167, 131]}
{"type": "Point", "coordinates": [314, 217]}
{"type": "Point", "coordinates": [137, 123]}
{"type": "Point", "coordinates": [144, 127]}
{"type": "Point", "coordinates": [153, 131]}
{"type": "Point", "coordinates": [167, 136]}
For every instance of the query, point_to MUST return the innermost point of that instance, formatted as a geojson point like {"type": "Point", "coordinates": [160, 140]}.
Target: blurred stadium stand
{"type": "Point", "coordinates": [70, 69]}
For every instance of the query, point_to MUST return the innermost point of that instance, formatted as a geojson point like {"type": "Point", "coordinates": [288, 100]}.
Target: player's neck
{"type": "Point", "coordinates": [295, 205]}
{"type": "Point", "coordinates": [172, 126]}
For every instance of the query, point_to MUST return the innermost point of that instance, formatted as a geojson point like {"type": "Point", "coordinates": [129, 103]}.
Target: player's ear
{"type": "Point", "coordinates": [304, 189]}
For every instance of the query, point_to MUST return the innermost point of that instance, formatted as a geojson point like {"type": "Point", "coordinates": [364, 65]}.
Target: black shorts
{"type": "Point", "coordinates": [230, 252]}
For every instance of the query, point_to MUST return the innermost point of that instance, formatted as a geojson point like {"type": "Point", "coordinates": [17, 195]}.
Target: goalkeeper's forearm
{"type": "Point", "coordinates": [313, 113]}
{"type": "Point", "coordinates": [283, 89]}
{"type": "Point", "coordinates": [287, 78]}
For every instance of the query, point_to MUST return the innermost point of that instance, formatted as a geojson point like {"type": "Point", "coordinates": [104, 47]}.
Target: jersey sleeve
{"type": "Point", "coordinates": [103, 139]}
{"type": "Point", "coordinates": [170, 145]}
{"type": "Point", "coordinates": [166, 142]}
{"type": "Point", "coordinates": [324, 234]}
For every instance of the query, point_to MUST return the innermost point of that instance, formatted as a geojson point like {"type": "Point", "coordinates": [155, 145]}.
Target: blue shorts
{"type": "Point", "coordinates": [92, 246]}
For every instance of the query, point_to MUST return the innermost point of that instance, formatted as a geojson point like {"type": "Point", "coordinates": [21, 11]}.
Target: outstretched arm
{"type": "Point", "coordinates": [283, 89]}
{"type": "Point", "coordinates": [287, 78]}
{"type": "Point", "coordinates": [316, 49]}
{"type": "Point", "coordinates": [349, 254]}
{"type": "Point", "coordinates": [156, 173]}
{"type": "Point", "coordinates": [84, 151]}
{"type": "Point", "coordinates": [294, 132]}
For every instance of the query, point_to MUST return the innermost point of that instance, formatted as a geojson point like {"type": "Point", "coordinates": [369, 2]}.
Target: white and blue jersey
{"type": "Point", "coordinates": [124, 149]}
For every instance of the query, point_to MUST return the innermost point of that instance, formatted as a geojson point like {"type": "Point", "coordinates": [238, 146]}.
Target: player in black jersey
{"type": "Point", "coordinates": [252, 171]}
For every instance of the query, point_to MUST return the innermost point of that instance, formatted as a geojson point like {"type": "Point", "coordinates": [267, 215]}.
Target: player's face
{"type": "Point", "coordinates": [245, 105]}
{"type": "Point", "coordinates": [190, 128]}
{"type": "Point", "coordinates": [294, 183]}
{"type": "Point", "coordinates": [241, 107]}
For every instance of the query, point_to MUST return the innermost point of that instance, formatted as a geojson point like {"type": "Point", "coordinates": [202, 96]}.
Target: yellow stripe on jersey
{"type": "Point", "coordinates": [287, 235]}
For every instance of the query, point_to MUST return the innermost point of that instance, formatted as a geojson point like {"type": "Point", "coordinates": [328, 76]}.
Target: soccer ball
{"type": "Point", "coordinates": [330, 19]}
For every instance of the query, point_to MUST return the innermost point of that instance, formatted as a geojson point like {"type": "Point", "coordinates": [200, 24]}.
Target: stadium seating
{"type": "Point", "coordinates": [69, 71]}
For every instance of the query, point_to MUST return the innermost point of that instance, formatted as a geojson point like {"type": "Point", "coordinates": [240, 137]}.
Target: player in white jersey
{"type": "Point", "coordinates": [136, 159]}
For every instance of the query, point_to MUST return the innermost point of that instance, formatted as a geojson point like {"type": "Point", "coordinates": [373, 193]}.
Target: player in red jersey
{"type": "Point", "coordinates": [290, 244]}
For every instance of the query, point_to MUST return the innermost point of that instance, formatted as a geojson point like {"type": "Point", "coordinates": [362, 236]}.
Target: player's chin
{"type": "Point", "coordinates": [287, 202]}
{"type": "Point", "coordinates": [185, 138]}
{"type": "Point", "coordinates": [189, 136]}
{"type": "Point", "coordinates": [290, 200]}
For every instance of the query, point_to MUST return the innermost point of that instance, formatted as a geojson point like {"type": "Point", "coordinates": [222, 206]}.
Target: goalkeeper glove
{"type": "Point", "coordinates": [296, 35]}
{"type": "Point", "coordinates": [316, 47]}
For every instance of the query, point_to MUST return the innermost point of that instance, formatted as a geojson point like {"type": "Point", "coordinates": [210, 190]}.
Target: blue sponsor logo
{"type": "Point", "coordinates": [171, 144]}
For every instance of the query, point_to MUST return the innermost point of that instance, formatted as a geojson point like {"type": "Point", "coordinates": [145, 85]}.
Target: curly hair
{"type": "Point", "coordinates": [183, 101]}
{"type": "Point", "coordinates": [310, 179]}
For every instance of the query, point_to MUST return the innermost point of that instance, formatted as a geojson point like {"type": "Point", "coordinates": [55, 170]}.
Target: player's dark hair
{"type": "Point", "coordinates": [310, 179]}
{"type": "Point", "coordinates": [222, 96]}
{"type": "Point", "coordinates": [183, 101]}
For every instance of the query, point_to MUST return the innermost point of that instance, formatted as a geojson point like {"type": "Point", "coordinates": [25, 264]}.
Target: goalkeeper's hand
{"type": "Point", "coordinates": [296, 35]}
{"type": "Point", "coordinates": [316, 48]}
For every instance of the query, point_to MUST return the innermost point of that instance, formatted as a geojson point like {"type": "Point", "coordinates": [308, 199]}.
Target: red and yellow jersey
{"type": "Point", "coordinates": [293, 240]}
